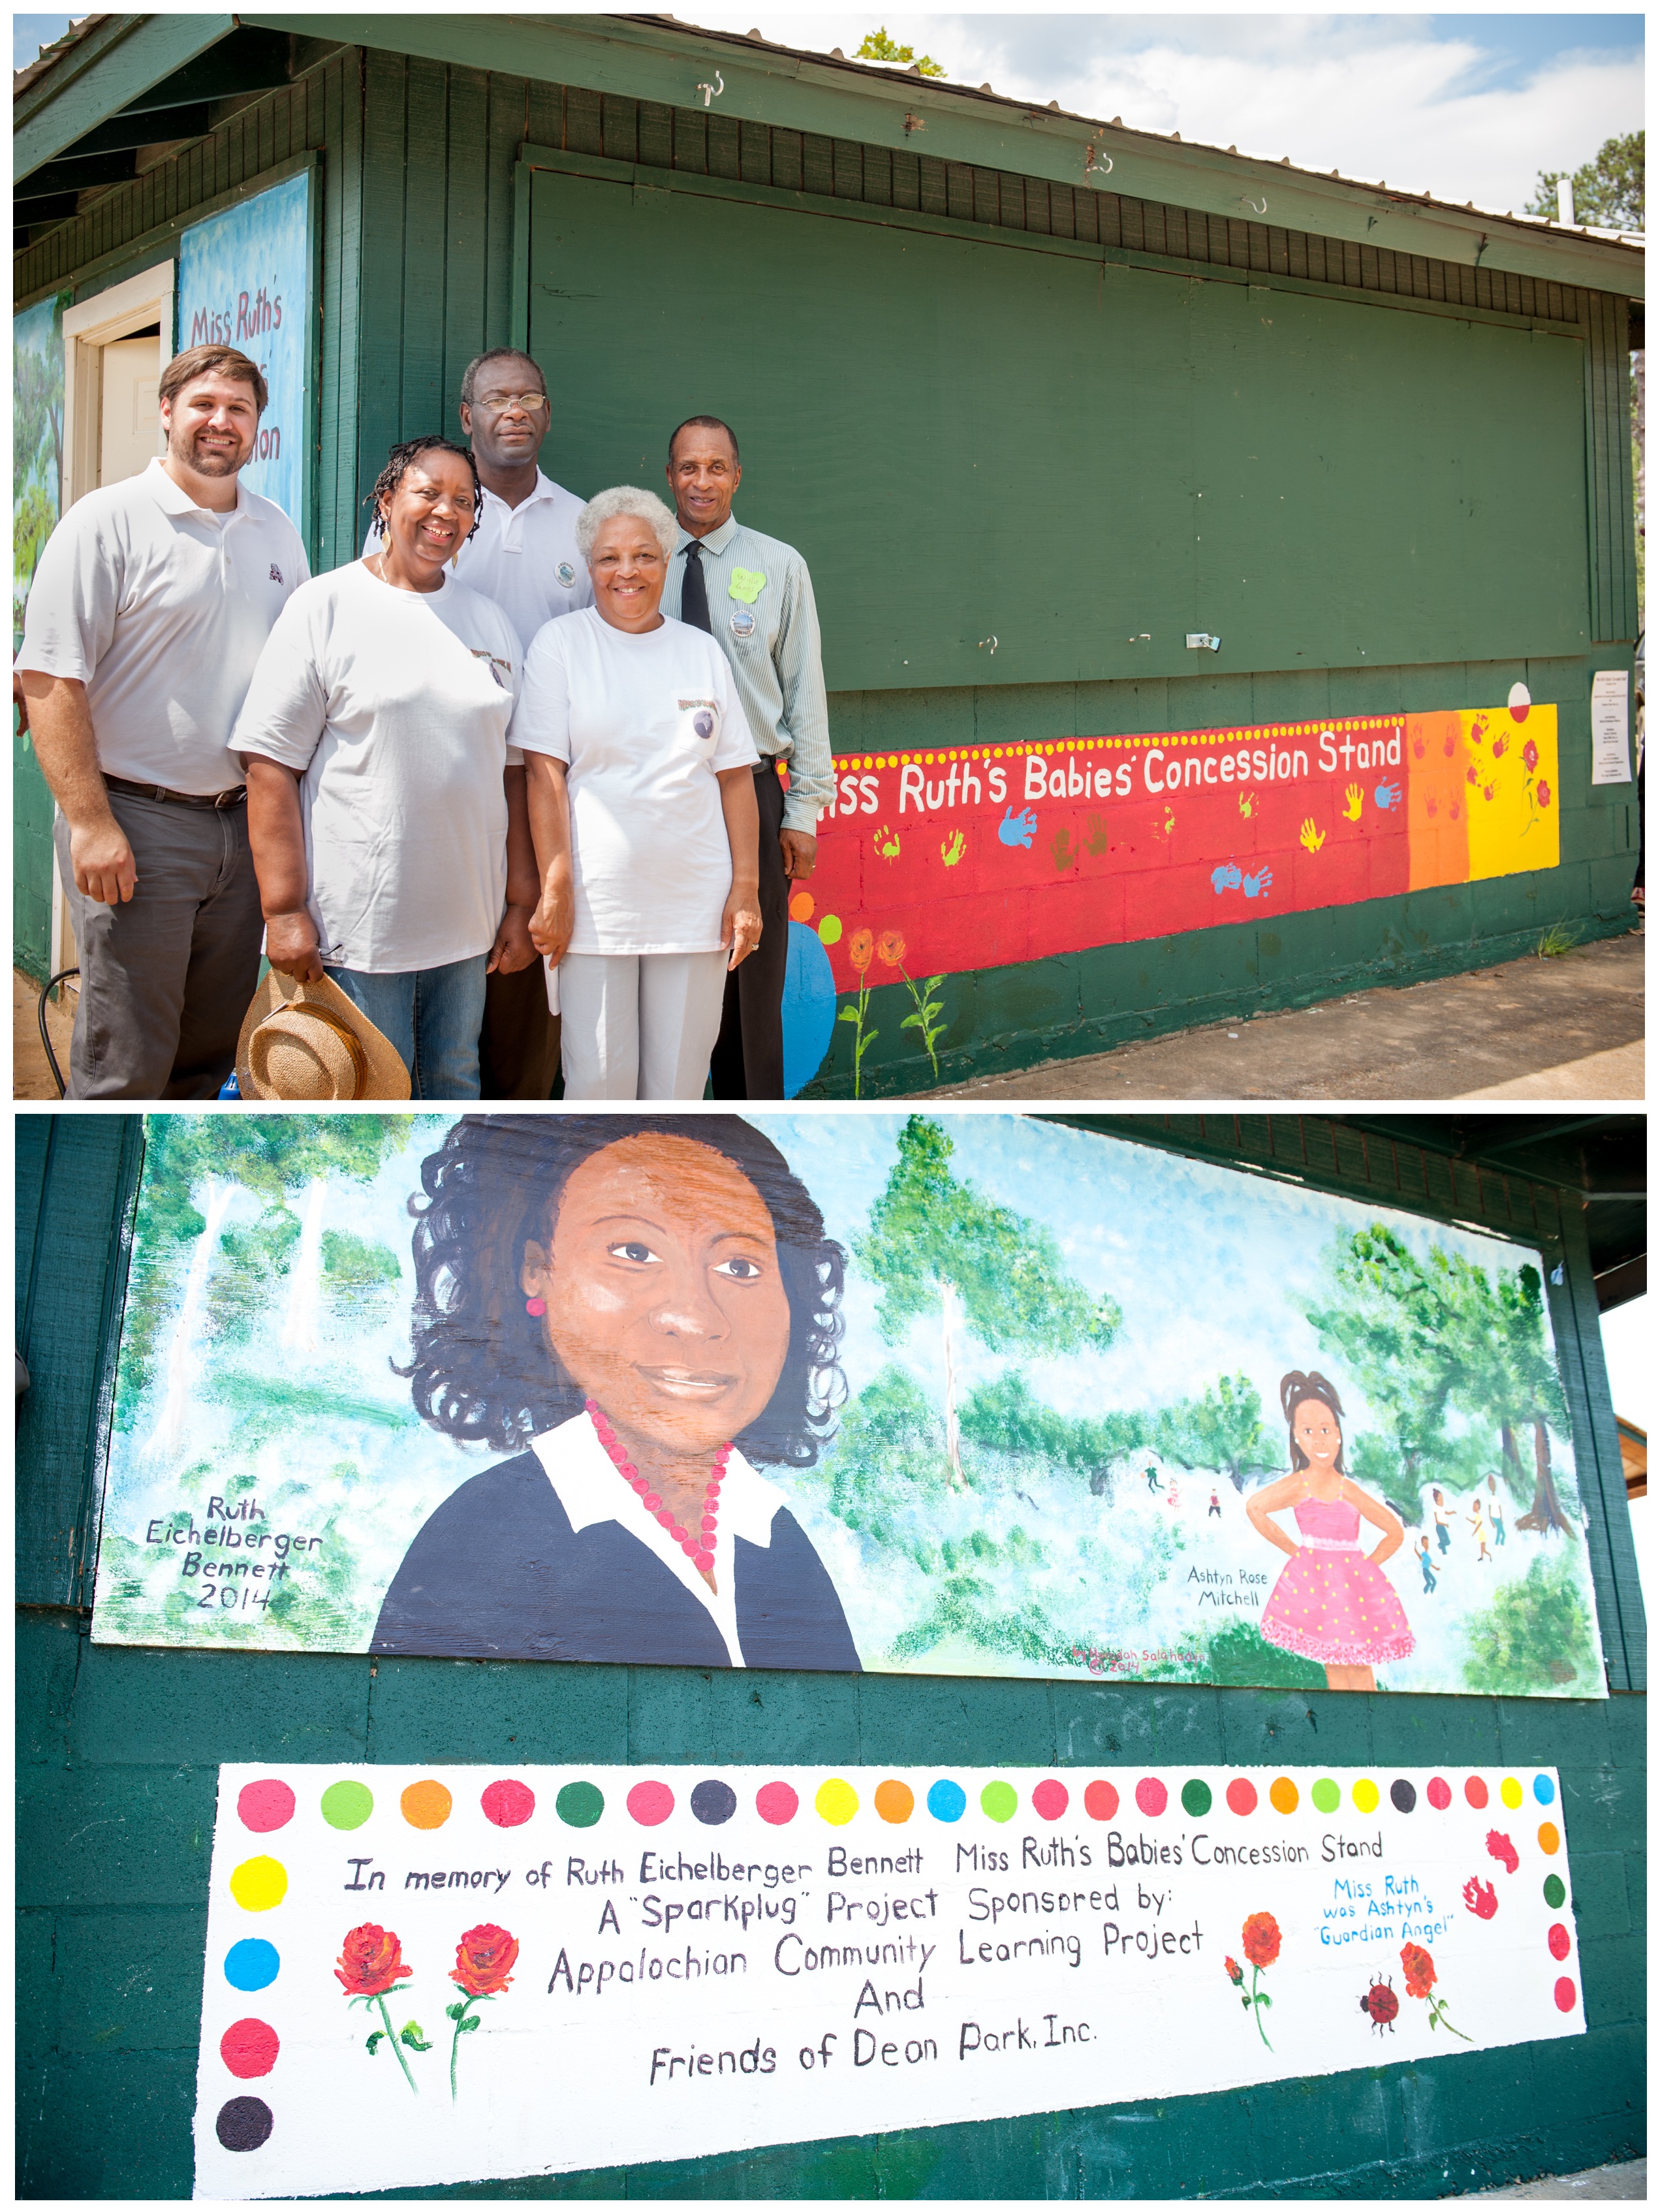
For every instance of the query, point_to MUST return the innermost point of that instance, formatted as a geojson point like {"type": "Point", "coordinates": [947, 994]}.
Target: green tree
{"type": "Point", "coordinates": [1609, 192]}
{"type": "Point", "coordinates": [937, 1246]}
{"type": "Point", "coordinates": [878, 47]}
{"type": "Point", "coordinates": [1220, 1431]}
{"type": "Point", "coordinates": [1535, 1638]}
{"type": "Point", "coordinates": [1005, 1419]}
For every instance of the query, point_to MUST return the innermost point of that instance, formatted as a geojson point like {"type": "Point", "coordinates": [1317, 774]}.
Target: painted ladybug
{"type": "Point", "coordinates": [1381, 2004]}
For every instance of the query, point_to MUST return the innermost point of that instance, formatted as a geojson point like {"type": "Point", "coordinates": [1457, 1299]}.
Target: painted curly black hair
{"type": "Point", "coordinates": [481, 1369]}
{"type": "Point", "coordinates": [398, 463]}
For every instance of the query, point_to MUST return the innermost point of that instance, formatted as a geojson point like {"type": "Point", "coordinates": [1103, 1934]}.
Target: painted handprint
{"type": "Point", "coordinates": [1480, 1897]}
{"type": "Point", "coordinates": [886, 843]}
{"type": "Point", "coordinates": [1501, 1849]}
{"type": "Point", "coordinates": [1254, 886]}
{"type": "Point", "coordinates": [1246, 803]}
{"type": "Point", "coordinates": [1061, 849]}
{"type": "Point", "coordinates": [951, 849]}
{"type": "Point", "coordinates": [1355, 805]}
{"type": "Point", "coordinates": [1096, 840]}
{"type": "Point", "coordinates": [1018, 829]}
{"type": "Point", "coordinates": [1311, 835]}
{"type": "Point", "coordinates": [1227, 879]}
{"type": "Point", "coordinates": [1387, 795]}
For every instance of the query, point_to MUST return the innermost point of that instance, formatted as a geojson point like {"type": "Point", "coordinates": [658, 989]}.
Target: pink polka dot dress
{"type": "Point", "coordinates": [1330, 1603]}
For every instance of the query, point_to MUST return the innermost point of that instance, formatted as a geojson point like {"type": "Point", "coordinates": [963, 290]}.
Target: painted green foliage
{"type": "Point", "coordinates": [1534, 1638]}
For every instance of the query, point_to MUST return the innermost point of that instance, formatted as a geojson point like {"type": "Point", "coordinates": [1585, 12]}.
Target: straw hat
{"type": "Point", "coordinates": [303, 1040]}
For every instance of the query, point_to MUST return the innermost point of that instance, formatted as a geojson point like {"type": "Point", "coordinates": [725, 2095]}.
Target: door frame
{"type": "Point", "coordinates": [89, 326]}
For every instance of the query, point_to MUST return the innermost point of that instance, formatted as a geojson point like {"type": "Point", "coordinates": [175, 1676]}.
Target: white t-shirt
{"type": "Point", "coordinates": [394, 707]}
{"type": "Point", "coordinates": [162, 608]}
{"type": "Point", "coordinates": [645, 722]}
{"type": "Point", "coordinates": [525, 558]}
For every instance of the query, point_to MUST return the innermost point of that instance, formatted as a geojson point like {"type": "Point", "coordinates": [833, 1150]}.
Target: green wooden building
{"type": "Point", "coordinates": [1095, 441]}
{"type": "Point", "coordinates": [119, 1749]}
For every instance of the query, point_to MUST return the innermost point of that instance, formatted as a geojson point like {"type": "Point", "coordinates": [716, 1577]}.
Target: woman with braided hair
{"type": "Point", "coordinates": [374, 736]}
{"type": "Point", "coordinates": [1332, 1602]}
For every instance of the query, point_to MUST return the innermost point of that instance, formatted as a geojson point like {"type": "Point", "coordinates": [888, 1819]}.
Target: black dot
{"type": "Point", "coordinates": [244, 2124]}
{"type": "Point", "coordinates": [1403, 1793]}
{"type": "Point", "coordinates": [714, 1802]}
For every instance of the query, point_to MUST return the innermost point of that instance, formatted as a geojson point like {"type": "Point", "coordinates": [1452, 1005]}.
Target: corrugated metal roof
{"type": "Point", "coordinates": [24, 78]}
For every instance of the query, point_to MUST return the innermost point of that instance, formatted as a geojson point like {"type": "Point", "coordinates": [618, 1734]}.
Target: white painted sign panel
{"type": "Point", "coordinates": [466, 1973]}
{"type": "Point", "coordinates": [1609, 722]}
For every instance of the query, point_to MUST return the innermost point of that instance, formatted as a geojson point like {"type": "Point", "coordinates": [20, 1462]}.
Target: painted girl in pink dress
{"type": "Point", "coordinates": [1332, 1604]}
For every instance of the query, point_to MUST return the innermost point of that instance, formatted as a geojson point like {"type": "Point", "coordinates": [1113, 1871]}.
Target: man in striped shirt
{"type": "Point", "coordinates": [753, 595]}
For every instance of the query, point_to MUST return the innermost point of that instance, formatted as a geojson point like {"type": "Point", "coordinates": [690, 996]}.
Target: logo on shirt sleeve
{"type": "Point", "coordinates": [495, 664]}
{"type": "Point", "coordinates": [276, 573]}
{"type": "Point", "coordinates": [699, 720]}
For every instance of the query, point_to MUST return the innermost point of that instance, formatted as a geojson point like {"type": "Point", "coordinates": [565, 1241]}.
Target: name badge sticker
{"type": "Point", "coordinates": [747, 584]}
{"type": "Point", "coordinates": [742, 621]}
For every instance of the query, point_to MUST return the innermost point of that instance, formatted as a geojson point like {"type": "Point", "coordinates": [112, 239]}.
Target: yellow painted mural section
{"type": "Point", "coordinates": [1483, 793]}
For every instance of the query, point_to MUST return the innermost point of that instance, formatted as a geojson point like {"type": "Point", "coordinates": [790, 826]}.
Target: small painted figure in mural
{"type": "Point", "coordinates": [1332, 1602]}
{"type": "Point", "coordinates": [1478, 1526]}
{"type": "Point", "coordinates": [1214, 1504]}
{"type": "Point", "coordinates": [1442, 1518]}
{"type": "Point", "coordinates": [1425, 1561]}
{"type": "Point", "coordinates": [1152, 1481]}
{"type": "Point", "coordinates": [1174, 1494]}
{"type": "Point", "coordinates": [648, 1314]}
{"type": "Point", "coordinates": [1494, 1513]}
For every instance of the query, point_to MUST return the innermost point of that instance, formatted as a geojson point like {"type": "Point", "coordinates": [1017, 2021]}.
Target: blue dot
{"type": "Point", "coordinates": [1543, 1789]}
{"type": "Point", "coordinates": [251, 1964]}
{"type": "Point", "coordinates": [808, 1008]}
{"type": "Point", "coordinates": [946, 1800]}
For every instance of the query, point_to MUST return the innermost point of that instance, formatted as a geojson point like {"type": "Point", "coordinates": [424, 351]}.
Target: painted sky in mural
{"type": "Point", "coordinates": [400, 1960]}
{"type": "Point", "coordinates": [944, 1395]}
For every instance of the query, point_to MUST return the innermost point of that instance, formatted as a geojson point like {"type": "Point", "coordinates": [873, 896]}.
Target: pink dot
{"type": "Point", "coordinates": [777, 1803]}
{"type": "Point", "coordinates": [264, 1805]}
{"type": "Point", "coordinates": [1559, 1941]}
{"type": "Point", "coordinates": [650, 1803]}
{"type": "Point", "coordinates": [1150, 1796]}
{"type": "Point", "coordinates": [1100, 1800]}
{"type": "Point", "coordinates": [508, 1804]}
{"type": "Point", "coordinates": [1565, 1993]}
{"type": "Point", "coordinates": [1476, 1793]}
{"type": "Point", "coordinates": [1241, 1795]}
{"type": "Point", "coordinates": [249, 2048]}
{"type": "Point", "coordinates": [1050, 1798]}
{"type": "Point", "coordinates": [702, 1561]}
{"type": "Point", "coordinates": [1439, 1793]}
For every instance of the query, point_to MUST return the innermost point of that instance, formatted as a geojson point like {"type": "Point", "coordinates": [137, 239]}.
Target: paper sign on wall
{"type": "Point", "coordinates": [416, 1975]}
{"type": "Point", "coordinates": [1609, 721]}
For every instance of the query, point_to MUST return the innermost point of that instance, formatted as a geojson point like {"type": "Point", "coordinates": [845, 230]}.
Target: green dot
{"type": "Point", "coordinates": [1000, 1799]}
{"type": "Point", "coordinates": [829, 929]}
{"type": "Point", "coordinates": [1554, 1892]}
{"type": "Point", "coordinates": [346, 1804]}
{"type": "Point", "coordinates": [1197, 1797]}
{"type": "Point", "coordinates": [1327, 1794]}
{"type": "Point", "coordinates": [578, 1804]}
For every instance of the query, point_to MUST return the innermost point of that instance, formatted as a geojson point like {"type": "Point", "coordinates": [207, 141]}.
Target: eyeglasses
{"type": "Point", "coordinates": [501, 403]}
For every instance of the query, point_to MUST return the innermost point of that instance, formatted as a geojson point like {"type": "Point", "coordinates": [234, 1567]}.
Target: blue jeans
{"type": "Point", "coordinates": [431, 1017]}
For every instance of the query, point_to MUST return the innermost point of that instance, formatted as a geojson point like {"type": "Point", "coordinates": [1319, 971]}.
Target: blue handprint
{"type": "Point", "coordinates": [1387, 795]}
{"type": "Point", "coordinates": [1018, 829]}
{"type": "Point", "coordinates": [1227, 879]}
{"type": "Point", "coordinates": [1254, 885]}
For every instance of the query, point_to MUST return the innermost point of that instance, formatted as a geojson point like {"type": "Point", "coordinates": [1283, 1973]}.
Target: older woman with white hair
{"type": "Point", "coordinates": [642, 801]}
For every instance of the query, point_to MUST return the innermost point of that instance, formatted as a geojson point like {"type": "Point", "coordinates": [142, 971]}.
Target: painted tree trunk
{"type": "Point", "coordinates": [1545, 1515]}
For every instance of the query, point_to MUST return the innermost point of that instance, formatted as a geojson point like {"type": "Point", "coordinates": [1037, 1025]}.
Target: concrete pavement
{"type": "Point", "coordinates": [1599, 2184]}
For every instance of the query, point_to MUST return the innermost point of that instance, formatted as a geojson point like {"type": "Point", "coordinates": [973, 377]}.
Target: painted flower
{"type": "Point", "coordinates": [1543, 795]}
{"type": "Point", "coordinates": [890, 947]}
{"type": "Point", "coordinates": [860, 949]}
{"type": "Point", "coordinates": [1530, 755]}
{"type": "Point", "coordinates": [371, 1962]}
{"type": "Point", "coordinates": [1261, 1939]}
{"type": "Point", "coordinates": [1235, 1972]}
{"type": "Point", "coordinates": [485, 1959]}
{"type": "Point", "coordinates": [1419, 1975]}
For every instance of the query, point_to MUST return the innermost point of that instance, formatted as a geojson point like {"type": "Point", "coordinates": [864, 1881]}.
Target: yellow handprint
{"type": "Point", "coordinates": [1311, 835]}
{"type": "Point", "coordinates": [951, 849]}
{"type": "Point", "coordinates": [1246, 803]}
{"type": "Point", "coordinates": [1355, 805]}
{"type": "Point", "coordinates": [886, 843]}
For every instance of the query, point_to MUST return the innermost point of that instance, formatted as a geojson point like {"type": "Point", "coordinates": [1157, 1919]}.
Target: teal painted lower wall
{"type": "Point", "coordinates": [117, 1753]}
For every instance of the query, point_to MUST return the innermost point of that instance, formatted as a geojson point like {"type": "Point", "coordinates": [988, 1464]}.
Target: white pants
{"type": "Point", "coordinates": [639, 1026]}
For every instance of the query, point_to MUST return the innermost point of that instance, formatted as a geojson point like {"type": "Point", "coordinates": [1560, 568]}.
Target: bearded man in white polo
{"type": "Point", "coordinates": [151, 604]}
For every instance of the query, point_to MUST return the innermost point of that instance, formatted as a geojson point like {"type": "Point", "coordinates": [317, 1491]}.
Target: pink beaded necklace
{"type": "Point", "coordinates": [698, 1549]}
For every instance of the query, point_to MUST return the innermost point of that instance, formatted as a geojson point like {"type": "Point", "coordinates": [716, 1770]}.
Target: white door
{"type": "Point", "coordinates": [130, 432]}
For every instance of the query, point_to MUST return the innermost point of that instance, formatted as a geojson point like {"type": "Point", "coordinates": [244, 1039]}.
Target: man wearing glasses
{"type": "Point", "coordinates": [524, 556]}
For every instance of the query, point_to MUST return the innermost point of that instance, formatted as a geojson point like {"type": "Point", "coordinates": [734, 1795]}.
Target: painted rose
{"type": "Point", "coordinates": [1530, 755]}
{"type": "Point", "coordinates": [1419, 1975]}
{"type": "Point", "coordinates": [371, 1962]}
{"type": "Point", "coordinates": [860, 949]}
{"type": "Point", "coordinates": [890, 947]}
{"type": "Point", "coordinates": [1236, 1972]}
{"type": "Point", "coordinates": [485, 1959]}
{"type": "Point", "coordinates": [1261, 1939]}
{"type": "Point", "coordinates": [1543, 795]}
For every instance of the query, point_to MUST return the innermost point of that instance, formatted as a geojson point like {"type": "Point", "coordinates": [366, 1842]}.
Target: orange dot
{"type": "Point", "coordinates": [800, 907]}
{"type": "Point", "coordinates": [425, 1804]}
{"type": "Point", "coordinates": [1284, 1795]}
{"type": "Point", "coordinates": [895, 1801]}
{"type": "Point", "coordinates": [1548, 1838]}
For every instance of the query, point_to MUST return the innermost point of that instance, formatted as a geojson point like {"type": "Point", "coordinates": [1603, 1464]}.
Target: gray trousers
{"type": "Point", "coordinates": [639, 1025]}
{"type": "Point", "coordinates": [165, 979]}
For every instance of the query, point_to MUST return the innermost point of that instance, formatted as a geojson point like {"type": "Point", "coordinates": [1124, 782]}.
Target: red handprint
{"type": "Point", "coordinates": [1480, 1897]}
{"type": "Point", "coordinates": [1502, 1850]}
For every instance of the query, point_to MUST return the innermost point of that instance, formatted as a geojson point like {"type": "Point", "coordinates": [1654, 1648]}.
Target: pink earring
{"type": "Point", "coordinates": [535, 1308]}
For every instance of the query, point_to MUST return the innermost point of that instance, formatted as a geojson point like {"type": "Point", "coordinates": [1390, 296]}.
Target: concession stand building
{"type": "Point", "coordinates": [1227, 572]}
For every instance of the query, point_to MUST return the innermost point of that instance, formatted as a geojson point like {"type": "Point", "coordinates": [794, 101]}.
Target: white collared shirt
{"type": "Point", "coordinates": [162, 608]}
{"type": "Point", "coordinates": [525, 558]}
{"type": "Point", "coordinates": [590, 1489]}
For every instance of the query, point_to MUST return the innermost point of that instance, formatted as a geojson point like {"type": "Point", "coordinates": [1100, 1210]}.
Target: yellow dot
{"type": "Point", "coordinates": [836, 1802]}
{"type": "Point", "coordinates": [1366, 1797]}
{"type": "Point", "coordinates": [258, 1884]}
{"type": "Point", "coordinates": [425, 1804]}
{"type": "Point", "coordinates": [1512, 1793]}
{"type": "Point", "coordinates": [1548, 1838]}
{"type": "Point", "coordinates": [1284, 1795]}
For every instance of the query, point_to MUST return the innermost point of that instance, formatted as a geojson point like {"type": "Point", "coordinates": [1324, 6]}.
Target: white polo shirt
{"type": "Point", "coordinates": [162, 608]}
{"type": "Point", "coordinates": [524, 557]}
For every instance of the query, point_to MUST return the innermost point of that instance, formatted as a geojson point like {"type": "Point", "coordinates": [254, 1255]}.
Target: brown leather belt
{"type": "Point", "coordinates": [215, 799]}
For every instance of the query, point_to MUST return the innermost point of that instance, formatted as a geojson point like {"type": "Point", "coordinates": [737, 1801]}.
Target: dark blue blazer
{"type": "Point", "coordinates": [497, 1572]}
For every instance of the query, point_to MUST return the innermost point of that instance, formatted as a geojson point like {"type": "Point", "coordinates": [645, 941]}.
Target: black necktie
{"type": "Point", "coordinates": [694, 598]}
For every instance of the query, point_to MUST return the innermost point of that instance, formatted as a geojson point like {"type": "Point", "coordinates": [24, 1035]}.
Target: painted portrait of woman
{"type": "Point", "coordinates": [642, 1314]}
